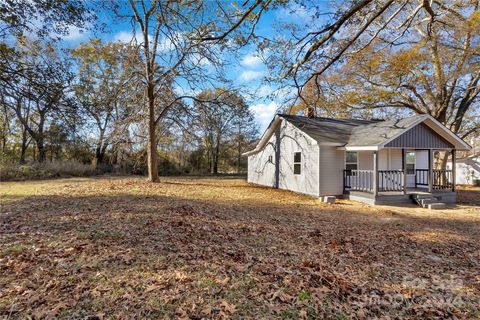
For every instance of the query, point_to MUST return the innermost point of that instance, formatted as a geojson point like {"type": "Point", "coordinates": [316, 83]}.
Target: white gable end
{"type": "Point", "coordinates": [276, 169]}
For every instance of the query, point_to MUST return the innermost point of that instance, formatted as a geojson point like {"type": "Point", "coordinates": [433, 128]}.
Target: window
{"type": "Point", "coordinates": [297, 163]}
{"type": "Point", "coordinates": [410, 162]}
{"type": "Point", "coordinates": [351, 160]}
{"type": "Point", "coordinates": [270, 159]}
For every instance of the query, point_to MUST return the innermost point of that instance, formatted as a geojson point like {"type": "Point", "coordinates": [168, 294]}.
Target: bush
{"type": "Point", "coordinates": [46, 170]}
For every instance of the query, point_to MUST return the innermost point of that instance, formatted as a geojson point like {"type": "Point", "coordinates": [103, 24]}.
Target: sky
{"type": "Point", "coordinates": [247, 71]}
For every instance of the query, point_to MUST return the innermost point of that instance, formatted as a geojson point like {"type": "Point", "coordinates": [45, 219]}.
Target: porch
{"type": "Point", "coordinates": [398, 175]}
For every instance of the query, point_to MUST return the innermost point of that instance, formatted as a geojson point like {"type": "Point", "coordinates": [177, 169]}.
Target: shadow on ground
{"type": "Point", "coordinates": [126, 249]}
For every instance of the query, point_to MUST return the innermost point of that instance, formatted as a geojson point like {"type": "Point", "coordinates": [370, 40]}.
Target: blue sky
{"type": "Point", "coordinates": [247, 71]}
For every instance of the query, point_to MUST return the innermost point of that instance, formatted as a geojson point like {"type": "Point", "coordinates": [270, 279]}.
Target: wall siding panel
{"type": "Point", "coordinates": [279, 173]}
{"type": "Point", "coordinates": [420, 136]}
{"type": "Point", "coordinates": [332, 163]}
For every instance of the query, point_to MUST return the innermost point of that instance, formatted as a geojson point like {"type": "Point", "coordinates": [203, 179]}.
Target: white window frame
{"type": "Point", "coordinates": [356, 162]}
{"type": "Point", "coordinates": [299, 163]}
{"type": "Point", "coordinates": [407, 162]}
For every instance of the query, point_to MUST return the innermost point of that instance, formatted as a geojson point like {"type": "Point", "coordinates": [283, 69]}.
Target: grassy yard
{"type": "Point", "coordinates": [219, 248]}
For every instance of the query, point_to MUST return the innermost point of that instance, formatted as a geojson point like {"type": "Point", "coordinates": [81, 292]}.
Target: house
{"type": "Point", "coordinates": [373, 161]}
{"type": "Point", "coordinates": [467, 168]}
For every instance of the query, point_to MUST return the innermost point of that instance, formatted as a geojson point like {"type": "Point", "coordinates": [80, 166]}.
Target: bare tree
{"type": "Point", "coordinates": [220, 115]}
{"type": "Point", "coordinates": [105, 77]}
{"type": "Point", "coordinates": [181, 44]}
{"type": "Point", "coordinates": [37, 92]}
{"type": "Point", "coordinates": [318, 43]}
{"type": "Point", "coordinates": [435, 71]}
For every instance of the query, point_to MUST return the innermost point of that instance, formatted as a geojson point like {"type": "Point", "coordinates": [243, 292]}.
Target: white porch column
{"type": "Point", "coordinates": [430, 170]}
{"type": "Point", "coordinates": [454, 170]}
{"type": "Point", "coordinates": [375, 173]}
{"type": "Point", "coordinates": [404, 168]}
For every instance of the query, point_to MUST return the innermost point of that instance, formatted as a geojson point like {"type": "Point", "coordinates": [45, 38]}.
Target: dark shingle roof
{"type": "Point", "coordinates": [327, 129]}
{"type": "Point", "coordinates": [379, 132]}
{"type": "Point", "coordinates": [353, 132]}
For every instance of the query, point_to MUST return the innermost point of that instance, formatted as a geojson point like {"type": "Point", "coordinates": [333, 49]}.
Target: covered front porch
{"type": "Point", "coordinates": [396, 175]}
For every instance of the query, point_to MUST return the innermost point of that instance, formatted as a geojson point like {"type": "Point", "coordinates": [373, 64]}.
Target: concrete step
{"type": "Point", "coordinates": [436, 205]}
{"type": "Point", "coordinates": [425, 201]}
{"type": "Point", "coordinates": [422, 196]}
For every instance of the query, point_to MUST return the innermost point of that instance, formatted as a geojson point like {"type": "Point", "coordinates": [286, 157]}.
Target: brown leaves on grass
{"type": "Point", "coordinates": [218, 248]}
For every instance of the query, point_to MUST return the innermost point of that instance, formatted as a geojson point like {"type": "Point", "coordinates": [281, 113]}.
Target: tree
{"type": "Point", "coordinates": [42, 17]}
{"type": "Point", "coordinates": [221, 115]}
{"type": "Point", "coordinates": [246, 131]}
{"type": "Point", "coordinates": [436, 71]}
{"type": "Point", "coordinates": [38, 90]}
{"type": "Point", "coordinates": [331, 33]}
{"type": "Point", "coordinates": [105, 75]}
{"type": "Point", "coordinates": [178, 38]}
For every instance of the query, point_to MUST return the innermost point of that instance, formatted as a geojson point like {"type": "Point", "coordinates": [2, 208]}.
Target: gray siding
{"type": "Point", "coordinates": [332, 163]}
{"type": "Point", "coordinates": [420, 136]}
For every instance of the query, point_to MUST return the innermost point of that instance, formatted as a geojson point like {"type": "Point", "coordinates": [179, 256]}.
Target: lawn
{"type": "Point", "coordinates": [193, 248]}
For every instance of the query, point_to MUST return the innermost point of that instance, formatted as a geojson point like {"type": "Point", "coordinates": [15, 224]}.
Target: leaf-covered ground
{"type": "Point", "coordinates": [219, 248]}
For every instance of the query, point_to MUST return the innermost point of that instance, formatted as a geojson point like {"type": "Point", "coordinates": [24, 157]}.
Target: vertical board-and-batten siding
{"type": "Point", "coordinates": [420, 136]}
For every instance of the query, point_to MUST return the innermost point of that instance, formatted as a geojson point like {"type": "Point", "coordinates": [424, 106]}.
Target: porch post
{"type": "Point", "coordinates": [430, 170]}
{"type": "Point", "coordinates": [454, 168]}
{"type": "Point", "coordinates": [404, 168]}
{"type": "Point", "coordinates": [375, 173]}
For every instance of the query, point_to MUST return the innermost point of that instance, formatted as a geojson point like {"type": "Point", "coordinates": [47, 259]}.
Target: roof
{"type": "Point", "coordinates": [380, 132]}
{"type": "Point", "coordinates": [327, 129]}
{"type": "Point", "coordinates": [357, 134]}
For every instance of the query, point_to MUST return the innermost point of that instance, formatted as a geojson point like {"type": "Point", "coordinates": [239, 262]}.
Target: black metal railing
{"type": "Point", "coordinates": [421, 177]}
{"type": "Point", "coordinates": [358, 180]}
{"type": "Point", "coordinates": [390, 180]}
{"type": "Point", "coordinates": [442, 179]}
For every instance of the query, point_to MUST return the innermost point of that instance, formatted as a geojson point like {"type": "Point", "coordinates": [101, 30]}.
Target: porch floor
{"type": "Point", "coordinates": [409, 191]}
{"type": "Point", "coordinates": [398, 198]}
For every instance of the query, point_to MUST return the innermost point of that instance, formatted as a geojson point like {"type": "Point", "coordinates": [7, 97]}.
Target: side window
{"type": "Point", "coordinates": [270, 159]}
{"type": "Point", "coordinates": [351, 160]}
{"type": "Point", "coordinates": [297, 163]}
{"type": "Point", "coordinates": [410, 162]}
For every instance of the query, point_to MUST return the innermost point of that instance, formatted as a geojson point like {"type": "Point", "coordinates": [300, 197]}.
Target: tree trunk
{"type": "Point", "coordinates": [98, 155]}
{"type": "Point", "coordinates": [215, 158]}
{"type": "Point", "coordinates": [152, 138]}
{"type": "Point", "coordinates": [42, 152]}
{"type": "Point", "coordinates": [239, 150]}
{"type": "Point", "coordinates": [24, 147]}
{"type": "Point", "coordinates": [40, 140]}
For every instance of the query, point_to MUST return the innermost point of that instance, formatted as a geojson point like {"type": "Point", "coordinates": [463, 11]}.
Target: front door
{"type": "Point", "coordinates": [410, 165]}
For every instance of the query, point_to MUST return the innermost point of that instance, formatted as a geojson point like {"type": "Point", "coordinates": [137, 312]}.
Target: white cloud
{"type": "Point", "coordinates": [127, 37]}
{"type": "Point", "coordinates": [295, 12]}
{"type": "Point", "coordinates": [164, 44]}
{"type": "Point", "coordinates": [74, 34]}
{"type": "Point", "coordinates": [251, 60]}
{"type": "Point", "coordinates": [186, 91]}
{"type": "Point", "coordinates": [264, 91]}
{"type": "Point", "coordinates": [264, 113]}
{"type": "Point", "coordinates": [248, 75]}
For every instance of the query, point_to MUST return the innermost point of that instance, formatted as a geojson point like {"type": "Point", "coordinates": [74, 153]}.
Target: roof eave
{"type": "Point", "coordinates": [266, 135]}
{"type": "Point", "coordinates": [360, 148]}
